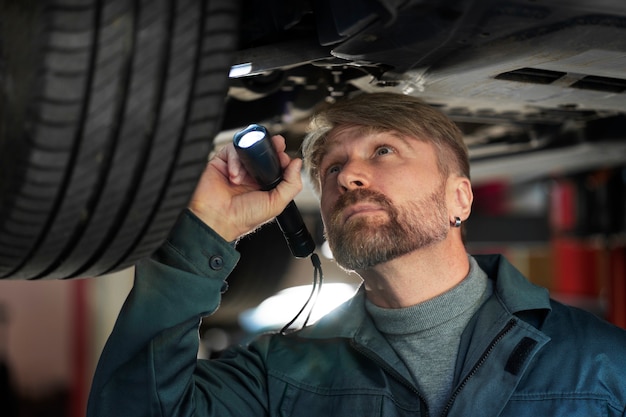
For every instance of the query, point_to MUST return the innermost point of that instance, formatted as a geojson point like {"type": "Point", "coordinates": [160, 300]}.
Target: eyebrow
{"type": "Point", "coordinates": [403, 137]}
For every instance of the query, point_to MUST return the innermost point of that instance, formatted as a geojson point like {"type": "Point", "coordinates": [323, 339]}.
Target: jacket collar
{"type": "Point", "coordinates": [514, 292]}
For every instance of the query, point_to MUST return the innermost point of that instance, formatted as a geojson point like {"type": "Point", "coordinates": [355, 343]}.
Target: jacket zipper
{"type": "Point", "coordinates": [393, 373]}
{"type": "Point", "coordinates": [509, 326]}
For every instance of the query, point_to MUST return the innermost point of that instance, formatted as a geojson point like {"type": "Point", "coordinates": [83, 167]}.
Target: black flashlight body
{"type": "Point", "coordinates": [258, 156]}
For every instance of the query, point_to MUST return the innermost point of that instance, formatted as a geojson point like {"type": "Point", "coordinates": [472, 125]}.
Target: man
{"type": "Point", "coordinates": [432, 331]}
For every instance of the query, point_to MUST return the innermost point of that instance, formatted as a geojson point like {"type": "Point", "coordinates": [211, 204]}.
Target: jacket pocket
{"type": "Point", "coordinates": [560, 405]}
{"type": "Point", "coordinates": [304, 401]}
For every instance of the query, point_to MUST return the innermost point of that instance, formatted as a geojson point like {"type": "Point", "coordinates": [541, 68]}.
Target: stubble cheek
{"type": "Point", "coordinates": [326, 207]}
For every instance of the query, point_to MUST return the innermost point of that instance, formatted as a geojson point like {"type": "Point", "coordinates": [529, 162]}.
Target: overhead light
{"type": "Point", "coordinates": [274, 312]}
{"type": "Point", "coordinates": [240, 70]}
{"type": "Point", "coordinates": [325, 249]}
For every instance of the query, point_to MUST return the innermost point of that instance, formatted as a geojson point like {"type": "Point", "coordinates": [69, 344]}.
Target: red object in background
{"type": "Point", "coordinates": [563, 210]}
{"type": "Point", "coordinates": [617, 287]}
{"type": "Point", "coordinates": [576, 267]}
{"type": "Point", "coordinates": [491, 198]}
{"type": "Point", "coordinates": [582, 268]}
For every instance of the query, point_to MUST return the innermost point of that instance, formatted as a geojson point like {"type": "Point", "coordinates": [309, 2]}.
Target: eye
{"type": "Point", "coordinates": [384, 150]}
{"type": "Point", "coordinates": [333, 169]}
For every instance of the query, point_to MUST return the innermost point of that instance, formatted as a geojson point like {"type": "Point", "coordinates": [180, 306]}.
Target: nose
{"type": "Point", "coordinates": [353, 175]}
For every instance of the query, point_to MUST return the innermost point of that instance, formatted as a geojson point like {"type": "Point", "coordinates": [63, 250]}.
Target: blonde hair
{"type": "Point", "coordinates": [407, 115]}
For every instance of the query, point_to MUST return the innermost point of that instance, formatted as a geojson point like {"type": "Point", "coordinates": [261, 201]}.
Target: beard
{"type": "Point", "coordinates": [363, 242]}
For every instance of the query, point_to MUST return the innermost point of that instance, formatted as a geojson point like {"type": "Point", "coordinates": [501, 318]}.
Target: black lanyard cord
{"type": "Point", "coordinates": [318, 279]}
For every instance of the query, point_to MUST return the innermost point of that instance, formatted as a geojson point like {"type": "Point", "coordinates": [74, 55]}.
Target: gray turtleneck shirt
{"type": "Point", "coordinates": [426, 336]}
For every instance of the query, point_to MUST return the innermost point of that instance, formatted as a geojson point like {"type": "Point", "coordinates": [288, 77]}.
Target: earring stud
{"type": "Point", "coordinates": [457, 222]}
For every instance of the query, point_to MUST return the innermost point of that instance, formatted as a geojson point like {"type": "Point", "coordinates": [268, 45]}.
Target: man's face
{"type": "Point", "coordinates": [382, 196]}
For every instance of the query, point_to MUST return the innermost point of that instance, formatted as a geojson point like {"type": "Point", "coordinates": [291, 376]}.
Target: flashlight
{"type": "Point", "coordinates": [258, 156]}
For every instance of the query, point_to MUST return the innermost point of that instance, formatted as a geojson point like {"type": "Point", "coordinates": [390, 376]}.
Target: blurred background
{"type": "Point", "coordinates": [109, 109]}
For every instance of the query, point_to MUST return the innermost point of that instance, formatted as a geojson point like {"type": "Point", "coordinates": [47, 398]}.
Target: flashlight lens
{"type": "Point", "coordinates": [250, 138]}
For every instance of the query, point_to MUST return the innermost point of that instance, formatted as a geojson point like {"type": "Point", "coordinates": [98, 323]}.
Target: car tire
{"type": "Point", "coordinates": [108, 113]}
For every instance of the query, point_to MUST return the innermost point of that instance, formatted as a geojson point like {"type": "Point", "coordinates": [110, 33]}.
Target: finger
{"type": "Point", "coordinates": [236, 171]}
{"type": "Point", "coordinates": [287, 189]}
{"type": "Point", "coordinates": [292, 179]}
{"type": "Point", "coordinates": [280, 145]}
{"type": "Point", "coordinates": [279, 142]}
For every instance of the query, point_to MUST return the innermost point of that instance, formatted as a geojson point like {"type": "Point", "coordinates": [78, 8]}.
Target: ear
{"type": "Point", "coordinates": [461, 197]}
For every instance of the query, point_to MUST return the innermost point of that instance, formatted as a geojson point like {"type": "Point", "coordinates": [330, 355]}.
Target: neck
{"type": "Point", "coordinates": [417, 276]}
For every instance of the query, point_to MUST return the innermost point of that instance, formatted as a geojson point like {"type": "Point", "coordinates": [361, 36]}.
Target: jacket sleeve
{"type": "Point", "coordinates": [149, 365]}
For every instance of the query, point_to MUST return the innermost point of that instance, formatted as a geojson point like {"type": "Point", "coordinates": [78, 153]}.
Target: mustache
{"type": "Point", "coordinates": [357, 196]}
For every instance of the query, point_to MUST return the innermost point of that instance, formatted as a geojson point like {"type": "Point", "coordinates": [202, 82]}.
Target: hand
{"type": "Point", "coordinates": [230, 201]}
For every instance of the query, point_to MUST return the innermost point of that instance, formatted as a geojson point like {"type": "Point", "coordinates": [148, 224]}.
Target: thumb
{"type": "Point", "coordinates": [291, 184]}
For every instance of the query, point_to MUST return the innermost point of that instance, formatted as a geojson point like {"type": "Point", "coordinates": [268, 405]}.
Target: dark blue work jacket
{"type": "Point", "coordinates": [522, 354]}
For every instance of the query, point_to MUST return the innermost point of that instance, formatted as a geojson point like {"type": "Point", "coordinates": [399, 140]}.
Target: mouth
{"type": "Point", "coordinates": [359, 202]}
{"type": "Point", "coordinates": [361, 209]}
